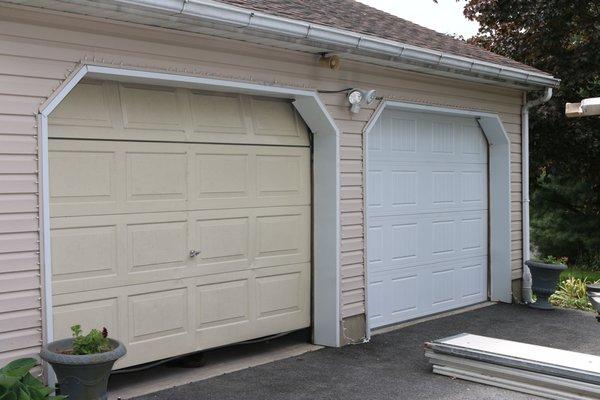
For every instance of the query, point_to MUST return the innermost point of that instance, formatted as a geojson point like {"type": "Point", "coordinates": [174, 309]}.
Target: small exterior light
{"type": "Point", "coordinates": [357, 97]}
{"type": "Point", "coordinates": [370, 96]}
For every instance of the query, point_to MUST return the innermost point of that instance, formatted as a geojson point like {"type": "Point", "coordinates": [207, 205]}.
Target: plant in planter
{"type": "Point", "coordinates": [545, 274]}
{"type": "Point", "coordinates": [17, 383]}
{"type": "Point", "coordinates": [83, 363]}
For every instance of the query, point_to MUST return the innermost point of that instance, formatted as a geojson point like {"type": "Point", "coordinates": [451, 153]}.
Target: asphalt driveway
{"type": "Point", "coordinates": [392, 365]}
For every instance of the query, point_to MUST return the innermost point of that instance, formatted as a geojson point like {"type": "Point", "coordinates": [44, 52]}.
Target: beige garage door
{"type": "Point", "coordinates": [140, 179]}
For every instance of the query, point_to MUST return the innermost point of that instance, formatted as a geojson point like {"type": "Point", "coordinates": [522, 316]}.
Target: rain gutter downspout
{"type": "Point", "coordinates": [526, 288]}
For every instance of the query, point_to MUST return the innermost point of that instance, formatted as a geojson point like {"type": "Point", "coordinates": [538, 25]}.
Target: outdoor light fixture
{"type": "Point", "coordinates": [587, 108]}
{"type": "Point", "coordinates": [357, 97]}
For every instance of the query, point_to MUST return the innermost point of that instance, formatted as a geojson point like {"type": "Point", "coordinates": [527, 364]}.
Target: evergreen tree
{"type": "Point", "coordinates": [561, 37]}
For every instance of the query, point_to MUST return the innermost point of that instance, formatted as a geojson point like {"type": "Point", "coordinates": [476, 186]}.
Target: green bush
{"type": "Point", "coordinates": [17, 383]}
{"type": "Point", "coordinates": [572, 293]}
{"type": "Point", "coordinates": [565, 219]}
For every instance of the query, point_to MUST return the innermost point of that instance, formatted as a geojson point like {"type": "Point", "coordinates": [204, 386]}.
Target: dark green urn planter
{"type": "Point", "coordinates": [544, 278]}
{"type": "Point", "coordinates": [82, 377]}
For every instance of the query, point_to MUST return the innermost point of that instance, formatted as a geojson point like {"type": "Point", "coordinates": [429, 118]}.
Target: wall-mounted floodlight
{"type": "Point", "coordinates": [587, 108]}
{"type": "Point", "coordinates": [357, 97]}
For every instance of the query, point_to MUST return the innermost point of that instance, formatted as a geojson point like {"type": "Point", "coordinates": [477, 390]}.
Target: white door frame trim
{"type": "Point", "coordinates": [326, 189]}
{"type": "Point", "coordinates": [499, 187]}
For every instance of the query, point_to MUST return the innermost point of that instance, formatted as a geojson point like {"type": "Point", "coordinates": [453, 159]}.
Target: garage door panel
{"type": "Point", "coordinates": [275, 117]}
{"type": "Point", "coordinates": [282, 297]}
{"type": "Point", "coordinates": [133, 309]}
{"type": "Point", "coordinates": [282, 236]}
{"type": "Point", "coordinates": [156, 176]}
{"type": "Point", "coordinates": [410, 240]}
{"type": "Point", "coordinates": [122, 111]}
{"type": "Point", "coordinates": [179, 246]}
{"type": "Point", "coordinates": [225, 306]}
{"type": "Point", "coordinates": [223, 175]}
{"type": "Point", "coordinates": [408, 188]}
{"type": "Point", "coordinates": [87, 105]}
{"type": "Point", "coordinates": [218, 113]}
{"type": "Point", "coordinates": [104, 177]}
{"type": "Point", "coordinates": [427, 138]}
{"type": "Point", "coordinates": [159, 245]}
{"type": "Point", "coordinates": [84, 252]}
{"type": "Point", "coordinates": [249, 176]}
{"type": "Point", "coordinates": [141, 177]}
{"type": "Point", "coordinates": [151, 108]}
{"type": "Point", "coordinates": [473, 275]}
{"type": "Point", "coordinates": [83, 177]}
{"type": "Point", "coordinates": [222, 238]}
{"type": "Point", "coordinates": [402, 294]}
{"type": "Point", "coordinates": [157, 314]}
{"type": "Point", "coordinates": [129, 249]}
{"type": "Point", "coordinates": [97, 313]}
{"type": "Point", "coordinates": [283, 177]}
{"type": "Point", "coordinates": [427, 216]}
{"type": "Point", "coordinates": [231, 240]}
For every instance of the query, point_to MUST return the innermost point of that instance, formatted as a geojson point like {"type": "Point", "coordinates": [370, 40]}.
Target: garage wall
{"type": "Point", "coordinates": [36, 55]}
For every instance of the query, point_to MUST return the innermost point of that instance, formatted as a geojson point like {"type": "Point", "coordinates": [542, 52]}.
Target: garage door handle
{"type": "Point", "coordinates": [194, 253]}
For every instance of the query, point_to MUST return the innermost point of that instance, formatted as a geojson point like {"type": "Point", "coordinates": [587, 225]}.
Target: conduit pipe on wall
{"type": "Point", "coordinates": [526, 288]}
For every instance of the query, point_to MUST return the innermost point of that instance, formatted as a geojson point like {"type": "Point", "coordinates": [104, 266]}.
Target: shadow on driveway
{"type": "Point", "coordinates": [392, 365]}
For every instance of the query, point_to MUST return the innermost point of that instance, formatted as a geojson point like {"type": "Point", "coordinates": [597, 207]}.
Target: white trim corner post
{"type": "Point", "coordinates": [326, 224]}
{"type": "Point", "coordinates": [527, 294]}
{"type": "Point", "coordinates": [499, 186]}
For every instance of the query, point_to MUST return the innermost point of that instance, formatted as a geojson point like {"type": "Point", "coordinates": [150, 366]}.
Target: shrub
{"type": "Point", "coordinates": [93, 343]}
{"type": "Point", "coordinates": [17, 383]}
{"type": "Point", "coordinates": [565, 219]}
{"type": "Point", "coordinates": [572, 293]}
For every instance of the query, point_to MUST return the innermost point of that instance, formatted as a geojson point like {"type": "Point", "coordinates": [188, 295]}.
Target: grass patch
{"type": "Point", "coordinates": [581, 274]}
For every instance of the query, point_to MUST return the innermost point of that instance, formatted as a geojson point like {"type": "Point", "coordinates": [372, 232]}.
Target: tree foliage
{"type": "Point", "coordinates": [561, 37]}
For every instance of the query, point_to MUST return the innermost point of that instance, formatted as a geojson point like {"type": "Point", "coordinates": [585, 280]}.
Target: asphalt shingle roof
{"type": "Point", "coordinates": [357, 17]}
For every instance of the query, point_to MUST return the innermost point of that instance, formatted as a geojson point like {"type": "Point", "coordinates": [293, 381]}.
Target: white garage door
{"type": "Point", "coordinates": [427, 216]}
{"type": "Point", "coordinates": [178, 171]}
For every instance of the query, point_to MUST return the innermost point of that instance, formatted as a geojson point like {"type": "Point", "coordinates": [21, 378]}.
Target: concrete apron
{"type": "Point", "coordinates": [218, 362]}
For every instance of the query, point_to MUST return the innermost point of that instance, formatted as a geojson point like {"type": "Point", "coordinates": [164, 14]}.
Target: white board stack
{"type": "Point", "coordinates": [536, 370]}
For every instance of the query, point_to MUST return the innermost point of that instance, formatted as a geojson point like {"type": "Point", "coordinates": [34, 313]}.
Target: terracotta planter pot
{"type": "Point", "coordinates": [82, 377]}
{"type": "Point", "coordinates": [544, 281]}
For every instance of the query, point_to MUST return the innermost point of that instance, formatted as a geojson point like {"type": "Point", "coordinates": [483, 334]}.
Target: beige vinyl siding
{"type": "Point", "coordinates": [36, 55]}
{"type": "Point", "coordinates": [20, 318]}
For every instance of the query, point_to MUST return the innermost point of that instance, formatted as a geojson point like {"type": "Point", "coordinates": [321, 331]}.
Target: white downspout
{"type": "Point", "coordinates": [526, 289]}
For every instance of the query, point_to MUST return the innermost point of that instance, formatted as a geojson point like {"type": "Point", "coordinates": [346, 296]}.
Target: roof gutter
{"type": "Point", "coordinates": [213, 12]}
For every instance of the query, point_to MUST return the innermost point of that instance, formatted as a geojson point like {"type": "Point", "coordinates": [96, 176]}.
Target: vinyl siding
{"type": "Point", "coordinates": [36, 55]}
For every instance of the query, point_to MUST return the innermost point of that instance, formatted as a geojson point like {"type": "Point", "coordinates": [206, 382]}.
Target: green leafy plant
{"type": "Point", "coordinates": [555, 260]}
{"type": "Point", "coordinates": [17, 383]}
{"type": "Point", "coordinates": [93, 343]}
{"type": "Point", "coordinates": [572, 293]}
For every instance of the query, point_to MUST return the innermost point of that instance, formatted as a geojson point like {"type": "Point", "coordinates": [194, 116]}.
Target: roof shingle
{"type": "Point", "coordinates": [360, 18]}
